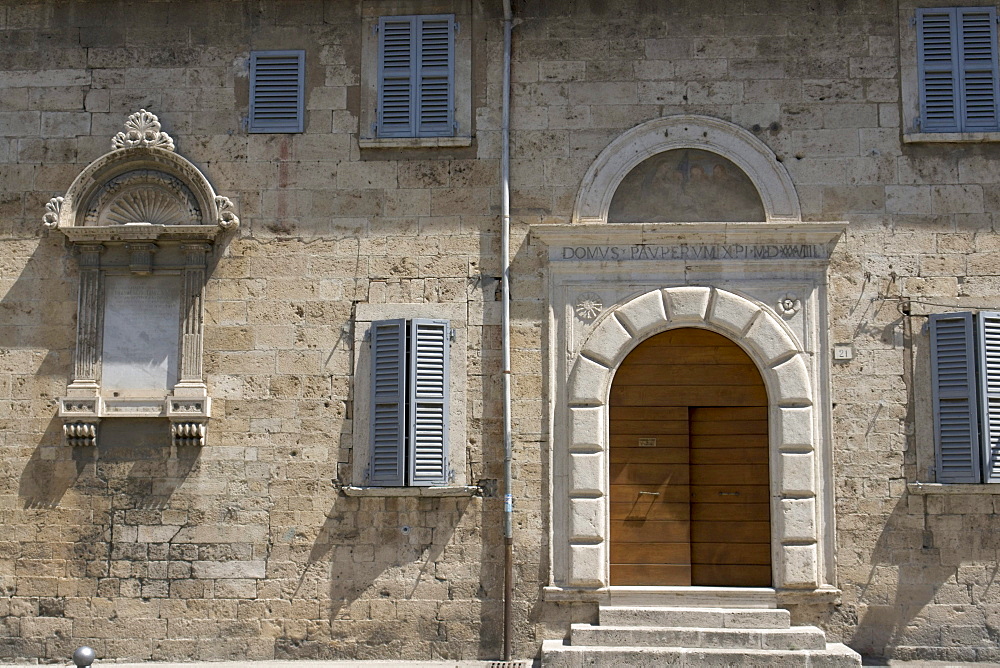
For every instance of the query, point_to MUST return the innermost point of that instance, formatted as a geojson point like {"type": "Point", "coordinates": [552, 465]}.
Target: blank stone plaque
{"type": "Point", "coordinates": [141, 334]}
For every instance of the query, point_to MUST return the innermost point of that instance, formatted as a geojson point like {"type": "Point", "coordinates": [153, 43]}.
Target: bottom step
{"type": "Point", "coordinates": [555, 654]}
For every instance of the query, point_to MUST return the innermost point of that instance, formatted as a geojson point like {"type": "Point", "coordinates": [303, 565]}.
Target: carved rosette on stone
{"type": "Point", "coordinates": [136, 218]}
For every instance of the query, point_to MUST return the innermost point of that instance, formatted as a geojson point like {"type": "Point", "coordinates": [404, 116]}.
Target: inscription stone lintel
{"type": "Point", "coordinates": [689, 242]}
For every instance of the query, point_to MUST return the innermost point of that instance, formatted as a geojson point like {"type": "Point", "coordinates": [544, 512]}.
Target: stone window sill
{"type": "Point", "coordinates": [950, 137]}
{"type": "Point", "coordinates": [429, 492]}
{"type": "Point", "coordinates": [924, 488]}
{"type": "Point", "coordinates": [415, 142]}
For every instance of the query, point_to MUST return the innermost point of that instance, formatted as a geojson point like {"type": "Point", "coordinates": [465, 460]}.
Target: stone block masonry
{"type": "Point", "coordinates": [248, 548]}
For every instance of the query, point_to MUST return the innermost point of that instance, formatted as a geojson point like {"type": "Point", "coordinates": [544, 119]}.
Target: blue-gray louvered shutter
{"type": "Point", "coordinates": [428, 400]}
{"type": "Point", "coordinates": [396, 75]}
{"type": "Point", "coordinates": [989, 392]}
{"type": "Point", "coordinates": [277, 91]}
{"type": "Point", "coordinates": [937, 55]}
{"type": "Point", "coordinates": [435, 76]}
{"type": "Point", "coordinates": [953, 389]}
{"type": "Point", "coordinates": [388, 403]}
{"type": "Point", "coordinates": [977, 39]}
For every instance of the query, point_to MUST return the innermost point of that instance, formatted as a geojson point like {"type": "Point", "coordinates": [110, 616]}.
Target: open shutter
{"type": "Point", "coordinates": [397, 62]}
{"type": "Point", "coordinates": [388, 397]}
{"type": "Point", "coordinates": [435, 77]}
{"type": "Point", "coordinates": [953, 387]}
{"type": "Point", "coordinates": [977, 39]}
{"type": "Point", "coordinates": [429, 380]}
{"type": "Point", "coordinates": [277, 91]}
{"type": "Point", "coordinates": [989, 391]}
{"type": "Point", "coordinates": [937, 52]}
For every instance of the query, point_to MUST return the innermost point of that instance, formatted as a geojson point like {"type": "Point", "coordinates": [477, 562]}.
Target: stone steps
{"type": "Point", "coordinates": [557, 655]}
{"type": "Point", "coordinates": [799, 637]}
{"type": "Point", "coordinates": [695, 635]}
{"type": "Point", "coordinates": [703, 617]}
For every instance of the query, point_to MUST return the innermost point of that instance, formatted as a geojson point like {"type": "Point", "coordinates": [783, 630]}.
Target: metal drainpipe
{"type": "Point", "coordinates": [508, 499]}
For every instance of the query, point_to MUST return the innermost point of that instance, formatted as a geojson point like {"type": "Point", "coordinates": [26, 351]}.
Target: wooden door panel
{"type": "Point", "coordinates": [650, 474]}
{"type": "Point", "coordinates": [729, 575]}
{"type": "Point", "coordinates": [714, 418]}
{"type": "Point", "coordinates": [667, 494]}
{"type": "Point", "coordinates": [630, 531]}
{"type": "Point", "coordinates": [660, 454]}
{"type": "Point", "coordinates": [757, 442]}
{"type": "Point", "coordinates": [719, 395]}
{"type": "Point", "coordinates": [726, 474]}
{"type": "Point", "coordinates": [644, 574]}
{"type": "Point", "coordinates": [689, 493]}
{"type": "Point", "coordinates": [747, 493]}
{"type": "Point", "coordinates": [673, 414]}
{"type": "Point", "coordinates": [649, 509]}
{"type": "Point", "coordinates": [650, 553]}
{"type": "Point", "coordinates": [645, 375]}
{"type": "Point", "coordinates": [725, 456]}
{"type": "Point", "coordinates": [714, 512]}
{"type": "Point", "coordinates": [735, 532]}
{"type": "Point", "coordinates": [757, 554]}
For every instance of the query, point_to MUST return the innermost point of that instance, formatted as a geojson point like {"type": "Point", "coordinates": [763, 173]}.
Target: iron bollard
{"type": "Point", "coordinates": [83, 656]}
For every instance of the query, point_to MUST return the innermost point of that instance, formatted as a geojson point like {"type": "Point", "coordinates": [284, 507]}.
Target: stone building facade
{"type": "Point", "coordinates": [222, 506]}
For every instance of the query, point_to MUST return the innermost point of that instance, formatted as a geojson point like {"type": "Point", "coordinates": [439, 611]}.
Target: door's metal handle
{"type": "Point", "coordinates": [649, 493]}
{"type": "Point", "coordinates": [729, 493]}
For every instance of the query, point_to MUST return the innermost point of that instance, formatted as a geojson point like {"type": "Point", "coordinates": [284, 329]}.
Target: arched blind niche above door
{"type": "Point", "coordinates": [686, 185]}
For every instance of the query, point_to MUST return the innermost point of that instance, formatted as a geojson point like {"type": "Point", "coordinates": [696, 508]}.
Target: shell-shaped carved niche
{"type": "Point", "coordinates": [144, 196]}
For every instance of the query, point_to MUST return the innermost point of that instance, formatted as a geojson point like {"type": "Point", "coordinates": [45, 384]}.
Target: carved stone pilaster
{"type": "Point", "coordinates": [90, 321]}
{"type": "Point", "coordinates": [193, 310]}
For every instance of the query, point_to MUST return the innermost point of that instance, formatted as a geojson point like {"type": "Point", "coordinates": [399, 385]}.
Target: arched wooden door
{"type": "Point", "coordinates": [689, 465]}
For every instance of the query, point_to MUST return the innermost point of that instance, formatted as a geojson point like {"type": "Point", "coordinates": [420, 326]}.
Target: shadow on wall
{"type": "Point", "coordinates": [934, 567]}
{"type": "Point", "coordinates": [386, 564]}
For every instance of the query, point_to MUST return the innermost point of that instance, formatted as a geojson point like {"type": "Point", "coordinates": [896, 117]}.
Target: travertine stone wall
{"type": "Point", "coordinates": [247, 549]}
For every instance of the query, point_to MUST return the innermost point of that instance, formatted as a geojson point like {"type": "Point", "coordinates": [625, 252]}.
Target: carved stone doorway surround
{"type": "Point", "coordinates": [763, 285]}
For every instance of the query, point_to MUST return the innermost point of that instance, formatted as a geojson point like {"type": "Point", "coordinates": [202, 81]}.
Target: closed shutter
{"type": "Point", "coordinates": [953, 386]}
{"type": "Point", "coordinates": [416, 72]}
{"type": "Point", "coordinates": [429, 380]}
{"type": "Point", "coordinates": [938, 68]}
{"type": "Point", "coordinates": [388, 397]}
{"type": "Point", "coordinates": [396, 76]}
{"type": "Point", "coordinates": [277, 90]}
{"type": "Point", "coordinates": [436, 76]}
{"type": "Point", "coordinates": [989, 390]}
{"type": "Point", "coordinates": [978, 67]}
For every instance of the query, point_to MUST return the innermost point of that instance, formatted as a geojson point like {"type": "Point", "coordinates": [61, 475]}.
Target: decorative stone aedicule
{"type": "Point", "coordinates": [142, 222]}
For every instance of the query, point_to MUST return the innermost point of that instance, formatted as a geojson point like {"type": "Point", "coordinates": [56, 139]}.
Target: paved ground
{"type": "Point", "coordinates": [292, 664]}
{"type": "Point", "coordinates": [426, 664]}
{"type": "Point", "coordinates": [285, 664]}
